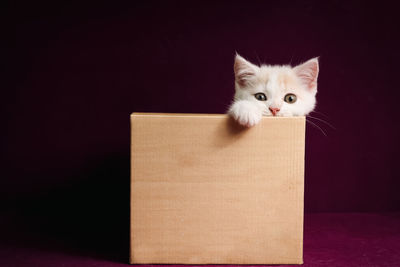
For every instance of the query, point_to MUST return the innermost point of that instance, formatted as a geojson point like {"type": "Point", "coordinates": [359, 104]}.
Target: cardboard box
{"type": "Point", "coordinates": [205, 190]}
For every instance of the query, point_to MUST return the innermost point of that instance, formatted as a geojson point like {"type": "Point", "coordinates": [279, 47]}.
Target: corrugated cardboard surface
{"type": "Point", "coordinates": [205, 190]}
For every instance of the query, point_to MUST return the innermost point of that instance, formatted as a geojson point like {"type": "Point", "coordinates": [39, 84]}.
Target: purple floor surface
{"type": "Point", "coordinates": [330, 239]}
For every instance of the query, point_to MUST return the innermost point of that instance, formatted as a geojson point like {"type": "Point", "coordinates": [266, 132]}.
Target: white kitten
{"type": "Point", "coordinates": [273, 90]}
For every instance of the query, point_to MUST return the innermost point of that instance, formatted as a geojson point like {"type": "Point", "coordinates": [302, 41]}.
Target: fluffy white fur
{"type": "Point", "coordinates": [275, 82]}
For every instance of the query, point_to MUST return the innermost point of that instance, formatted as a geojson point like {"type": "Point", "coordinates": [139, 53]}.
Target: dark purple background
{"type": "Point", "coordinates": [75, 72]}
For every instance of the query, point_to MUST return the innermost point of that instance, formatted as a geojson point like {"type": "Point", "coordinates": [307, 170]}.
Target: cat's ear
{"type": "Point", "coordinates": [308, 73]}
{"type": "Point", "coordinates": [244, 70]}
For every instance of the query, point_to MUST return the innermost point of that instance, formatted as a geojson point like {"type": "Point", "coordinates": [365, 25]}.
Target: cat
{"type": "Point", "coordinates": [273, 90]}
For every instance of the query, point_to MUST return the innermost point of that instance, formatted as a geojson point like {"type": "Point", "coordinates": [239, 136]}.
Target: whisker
{"type": "Point", "coordinates": [317, 127]}
{"type": "Point", "coordinates": [321, 120]}
{"type": "Point", "coordinates": [291, 59]}
{"type": "Point", "coordinates": [259, 61]}
{"type": "Point", "coordinates": [319, 113]}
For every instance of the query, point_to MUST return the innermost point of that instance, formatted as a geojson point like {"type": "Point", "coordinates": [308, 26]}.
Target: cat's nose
{"type": "Point", "coordinates": [274, 110]}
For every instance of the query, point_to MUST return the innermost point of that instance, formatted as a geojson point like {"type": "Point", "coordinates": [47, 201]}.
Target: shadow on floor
{"type": "Point", "coordinates": [89, 216]}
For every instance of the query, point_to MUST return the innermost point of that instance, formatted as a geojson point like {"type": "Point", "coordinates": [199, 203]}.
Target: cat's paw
{"type": "Point", "coordinates": [245, 113]}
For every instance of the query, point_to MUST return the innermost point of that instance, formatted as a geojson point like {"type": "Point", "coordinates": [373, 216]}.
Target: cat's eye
{"type": "Point", "coordinates": [290, 98]}
{"type": "Point", "coordinates": [260, 97]}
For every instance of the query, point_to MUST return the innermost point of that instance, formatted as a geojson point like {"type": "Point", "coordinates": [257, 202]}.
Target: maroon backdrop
{"type": "Point", "coordinates": [76, 71]}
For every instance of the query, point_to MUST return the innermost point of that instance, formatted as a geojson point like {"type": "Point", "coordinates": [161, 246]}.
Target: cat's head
{"type": "Point", "coordinates": [277, 90]}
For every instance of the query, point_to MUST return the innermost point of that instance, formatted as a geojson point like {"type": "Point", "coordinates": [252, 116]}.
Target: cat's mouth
{"type": "Point", "coordinates": [272, 115]}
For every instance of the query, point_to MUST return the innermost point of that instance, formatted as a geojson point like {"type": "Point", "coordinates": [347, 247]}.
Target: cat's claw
{"type": "Point", "coordinates": [245, 114]}
{"type": "Point", "coordinates": [248, 119]}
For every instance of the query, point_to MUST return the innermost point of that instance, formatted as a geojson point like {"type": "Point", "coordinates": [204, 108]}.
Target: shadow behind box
{"type": "Point", "coordinates": [205, 190]}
